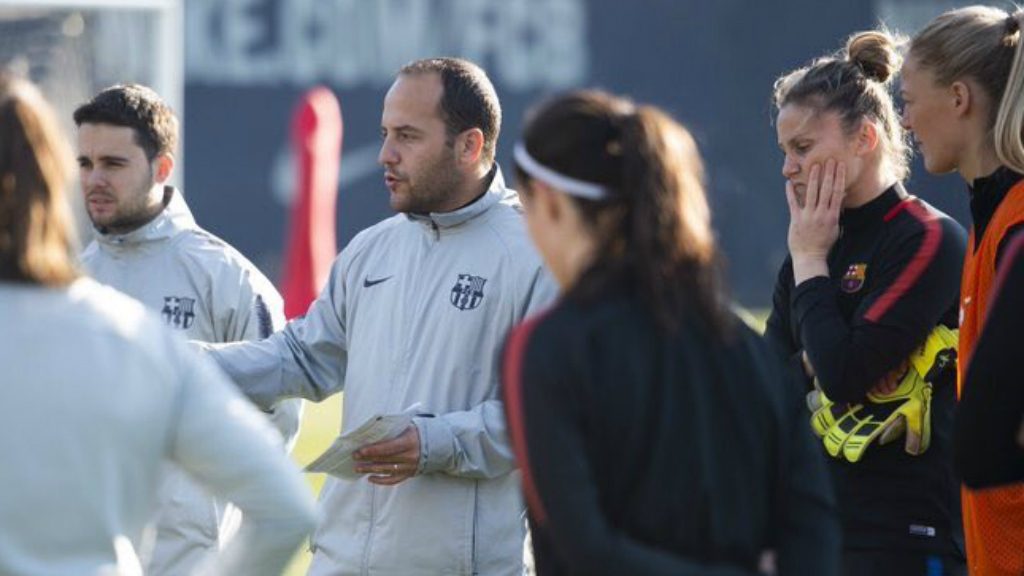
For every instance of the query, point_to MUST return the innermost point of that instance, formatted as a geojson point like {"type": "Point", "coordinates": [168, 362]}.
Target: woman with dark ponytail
{"type": "Point", "coordinates": [655, 432]}
{"type": "Point", "coordinates": [963, 88]}
{"type": "Point", "coordinates": [865, 312]}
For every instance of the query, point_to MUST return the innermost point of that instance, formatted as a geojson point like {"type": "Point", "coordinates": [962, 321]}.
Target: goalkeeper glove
{"type": "Point", "coordinates": [847, 431]}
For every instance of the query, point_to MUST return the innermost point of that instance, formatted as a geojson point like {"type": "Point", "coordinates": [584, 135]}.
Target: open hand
{"type": "Point", "coordinates": [814, 224]}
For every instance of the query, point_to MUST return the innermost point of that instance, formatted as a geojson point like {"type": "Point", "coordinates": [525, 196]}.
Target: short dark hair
{"type": "Point", "coordinates": [468, 99]}
{"type": "Point", "coordinates": [139, 108]}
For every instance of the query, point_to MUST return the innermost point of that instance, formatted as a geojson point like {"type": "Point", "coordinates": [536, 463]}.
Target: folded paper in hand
{"type": "Point", "coordinates": [337, 460]}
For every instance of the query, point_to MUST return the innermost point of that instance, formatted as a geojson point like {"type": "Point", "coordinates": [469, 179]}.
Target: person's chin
{"type": "Point", "coordinates": [800, 193]}
{"type": "Point", "coordinates": [934, 165]}
{"type": "Point", "coordinates": [399, 202]}
{"type": "Point", "coordinates": [101, 220]}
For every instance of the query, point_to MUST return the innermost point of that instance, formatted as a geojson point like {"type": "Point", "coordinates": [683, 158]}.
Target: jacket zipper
{"type": "Point", "coordinates": [365, 570]}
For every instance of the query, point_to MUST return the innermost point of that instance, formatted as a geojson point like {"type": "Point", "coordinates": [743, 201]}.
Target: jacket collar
{"type": "Point", "coordinates": [987, 193]}
{"type": "Point", "coordinates": [875, 210]}
{"type": "Point", "coordinates": [173, 219]}
{"type": "Point", "coordinates": [496, 192]}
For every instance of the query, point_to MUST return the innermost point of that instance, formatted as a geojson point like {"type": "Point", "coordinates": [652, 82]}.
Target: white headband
{"type": "Point", "coordinates": [567, 184]}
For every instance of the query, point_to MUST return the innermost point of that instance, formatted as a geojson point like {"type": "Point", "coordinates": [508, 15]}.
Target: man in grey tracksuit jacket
{"type": "Point", "coordinates": [415, 310]}
{"type": "Point", "coordinates": [204, 289]}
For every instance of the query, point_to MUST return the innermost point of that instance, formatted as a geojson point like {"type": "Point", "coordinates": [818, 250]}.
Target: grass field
{"type": "Point", "coordinates": [321, 424]}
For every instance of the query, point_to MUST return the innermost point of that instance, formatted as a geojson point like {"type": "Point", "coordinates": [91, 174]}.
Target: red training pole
{"type": "Point", "coordinates": [317, 131]}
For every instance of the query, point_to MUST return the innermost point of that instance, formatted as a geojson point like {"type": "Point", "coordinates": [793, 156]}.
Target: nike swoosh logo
{"type": "Point", "coordinates": [367, 282]}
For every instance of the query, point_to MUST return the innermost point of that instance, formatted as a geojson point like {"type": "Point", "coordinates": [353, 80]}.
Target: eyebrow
{"type": "Point", "coordinates": [105, 158]}
{"type": "Point", "coordinates": [790, 141]}
{"type": "Point", "coordinates": [404, 128]}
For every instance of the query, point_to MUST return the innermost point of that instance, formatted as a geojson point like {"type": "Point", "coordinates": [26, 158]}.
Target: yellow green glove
{"type": "Point", "coordinates": [848, 430]}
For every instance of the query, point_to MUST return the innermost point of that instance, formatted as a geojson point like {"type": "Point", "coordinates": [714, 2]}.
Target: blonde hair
{"type": "Point", "coordinates": [981, 43]}
{"type": "Point", "coordinates": [854, 82]}
{"type": "Point", "coordinates": [35, 221]}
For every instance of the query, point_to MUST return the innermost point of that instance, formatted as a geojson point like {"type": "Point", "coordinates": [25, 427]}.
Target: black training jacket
{"type": "Point", "coordinates": [645, 451]}
{"type": "Point", "coordinates": [894, 274]}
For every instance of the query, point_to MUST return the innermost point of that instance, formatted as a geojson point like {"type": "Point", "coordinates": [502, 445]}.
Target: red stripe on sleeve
{"type": "Point", "coordinates": [921, 260]}
{"type": "Point", "coordinates": [516, 415]}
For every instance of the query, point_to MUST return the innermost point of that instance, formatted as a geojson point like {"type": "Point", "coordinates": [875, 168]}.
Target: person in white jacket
{"type": "Point", "coordinates": [148, 246]}
{"type": "Point", "coordinates": [98, 395]}
{"type": "Point", "coordinates": [415, 311]}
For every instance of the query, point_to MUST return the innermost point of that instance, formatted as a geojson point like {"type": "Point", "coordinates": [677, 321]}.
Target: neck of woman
{"type": "Point", "coordinates": [870, 186]}
{"type": "Point", "coordinates": [979, 160]}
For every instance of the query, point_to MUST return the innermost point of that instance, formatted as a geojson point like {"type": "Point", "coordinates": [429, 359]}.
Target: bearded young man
{"type": "Point", "coordinates": [148, 245]}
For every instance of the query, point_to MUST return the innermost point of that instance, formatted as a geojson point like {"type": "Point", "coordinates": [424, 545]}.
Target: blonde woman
{"type": "Point", "coordinates": [963, 88]}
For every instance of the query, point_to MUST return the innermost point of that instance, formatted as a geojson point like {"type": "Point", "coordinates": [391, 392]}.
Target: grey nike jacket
{"type": "Point", "coordinates": [415, 310]}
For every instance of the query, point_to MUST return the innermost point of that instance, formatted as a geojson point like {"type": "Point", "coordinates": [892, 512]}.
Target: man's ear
{"type": "Point", "coordinates": [163, 167]}
{"type": "Point", "coordinates": [469, 146]}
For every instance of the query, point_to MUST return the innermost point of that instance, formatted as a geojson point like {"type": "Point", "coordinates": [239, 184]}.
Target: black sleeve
{"type": "Point", "coordinates": [778, 332]}
{"type": "Point", "coordinates": [808, 532]}
{"type": "Point", "coordinates": [915, 284]}
{"type": "Point", "coordinates": [545, 422]}
{"type": "Point", "coordinates": [1008, 238]}
{"type": "Point", "coordinates": [991, 409]}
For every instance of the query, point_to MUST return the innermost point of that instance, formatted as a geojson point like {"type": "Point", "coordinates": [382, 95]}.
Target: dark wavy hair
{"type": "Point", "coordinates": [36, 229]}
{"type": "Point", "coordinates": [137, 107]}
{"type": "Point", "coordinates": [654, 229]}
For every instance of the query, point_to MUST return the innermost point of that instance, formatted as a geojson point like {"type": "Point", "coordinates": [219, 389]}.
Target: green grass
{"type": "Point", "coordinates": [320, 426]}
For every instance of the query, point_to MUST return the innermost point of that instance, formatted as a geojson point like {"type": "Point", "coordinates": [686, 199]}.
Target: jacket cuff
{"type": "Point", "coordinates": [808, 296]}
{"type": "Point", "coordinates": [437, 444]}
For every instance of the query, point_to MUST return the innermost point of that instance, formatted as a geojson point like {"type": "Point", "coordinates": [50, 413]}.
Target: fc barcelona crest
{"type": "Point", "coordinates": [853, 279]}
{"type": "Point", "coordinates": [468, 292]}
{"type": "Point", "coordinates": [179, 312]}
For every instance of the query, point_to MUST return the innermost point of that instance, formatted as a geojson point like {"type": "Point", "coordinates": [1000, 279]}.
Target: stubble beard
{"type": "Point", "coordinates": [130, 214]}
{"type": "Point", "coordinates": [437, 184]}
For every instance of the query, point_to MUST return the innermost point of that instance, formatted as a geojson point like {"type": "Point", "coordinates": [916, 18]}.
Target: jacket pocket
{"type": "Point", "coordinates": [425, 526]}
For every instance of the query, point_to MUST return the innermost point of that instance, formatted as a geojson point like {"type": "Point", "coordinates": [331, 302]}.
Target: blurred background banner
{"type": "Point", "coordinates": [236, 69]}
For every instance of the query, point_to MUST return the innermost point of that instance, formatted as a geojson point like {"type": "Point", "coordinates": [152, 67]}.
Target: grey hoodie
{"type": "Point", "coordinates": [415, 310]}
{"type": "Point", "coordinates": [97, 396]}
{"type": "Point", "coordinates": [205, 290]}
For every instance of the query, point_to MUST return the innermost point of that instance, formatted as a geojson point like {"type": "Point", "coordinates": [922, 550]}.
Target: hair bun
{"type": "Point", "coordinates": [875, 53]}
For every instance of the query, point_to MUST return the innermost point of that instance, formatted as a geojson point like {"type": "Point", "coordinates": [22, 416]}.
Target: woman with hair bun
{"type": "Point", "coordinates": [963, 88]}
{"type": "Point", "coordinates": [655, 432]}
{"type": "Point", "coordinates": [865, 312]}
